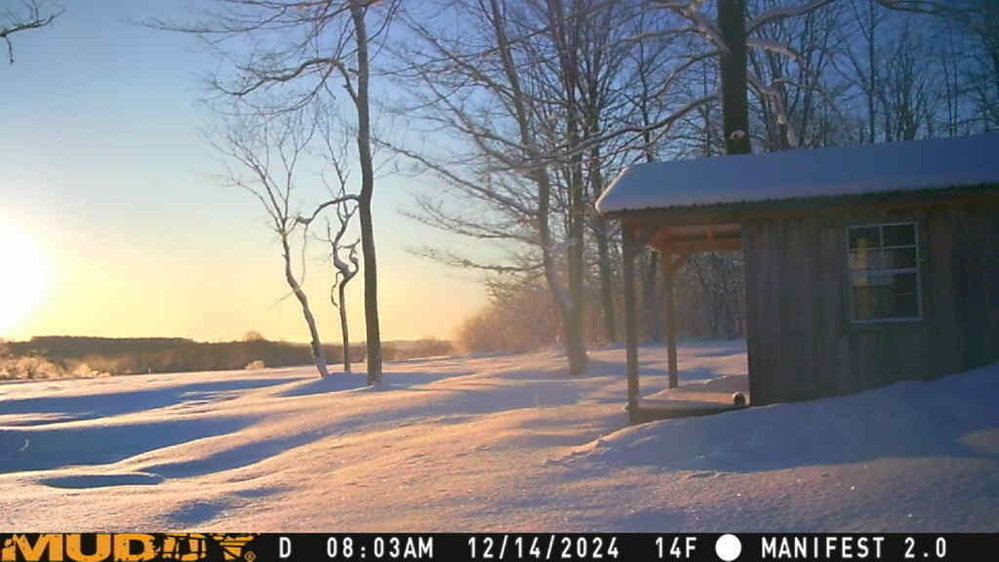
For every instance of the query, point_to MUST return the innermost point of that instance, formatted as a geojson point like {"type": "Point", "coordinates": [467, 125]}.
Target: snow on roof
{"type": "Point", "coordinates": [803, 174]}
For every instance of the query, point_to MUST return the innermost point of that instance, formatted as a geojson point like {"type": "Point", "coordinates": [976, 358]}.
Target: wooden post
{"type": "Point", "coordinates": [630, 320]}
{"type": "Point", "coordinates": [669, 270]}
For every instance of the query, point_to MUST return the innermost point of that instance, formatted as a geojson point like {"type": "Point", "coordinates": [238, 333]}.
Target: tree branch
{"type": "Point", "coordinates": [35, 20]}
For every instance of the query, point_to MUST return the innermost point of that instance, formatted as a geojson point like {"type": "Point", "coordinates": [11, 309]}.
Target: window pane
{"type": "Point", "coordinates": [858, 260]}
{"type": "Point", "coordinates": [879, 295]}
{"type": "Point", "coordinates": [880, 278]}
{"type": "Point", "coordinates": [866, 259]}
{"type": "Point", "coordinates": [904, 283]}
{"type": "Point", "coordinates": [862, 306]}
{"type": "Point", "coordinates": [899, 258]}
{"type": "Point", "coordinates": [904, 306]}
{"type": "Point", "coordinates": [871, 279]}
{"type": "Point", "coordinates": [864, 237]}
{"type": "Point", "coordinates": [883, 272]}
{"type": "Point", "coordinates": [871, 302]}
{"type": "Point", "coordinates": [900, 235]}
{"type": "Point", "coordinates": [905, 300]}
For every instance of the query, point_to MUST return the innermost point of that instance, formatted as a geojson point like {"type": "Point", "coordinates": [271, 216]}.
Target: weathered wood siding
{"type": "Point", "coordinates": [801, 342]}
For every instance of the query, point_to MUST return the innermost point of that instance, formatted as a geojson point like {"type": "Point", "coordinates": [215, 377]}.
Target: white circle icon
{"type": "Point", "coordinates": [728, 547]}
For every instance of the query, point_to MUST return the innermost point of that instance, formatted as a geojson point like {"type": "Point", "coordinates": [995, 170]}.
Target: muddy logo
{"type": "Point", "coordinates": [125, 547]}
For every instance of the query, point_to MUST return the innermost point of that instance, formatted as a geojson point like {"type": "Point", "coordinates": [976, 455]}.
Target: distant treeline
{"type": "Point", "coordinates": [54, 356]}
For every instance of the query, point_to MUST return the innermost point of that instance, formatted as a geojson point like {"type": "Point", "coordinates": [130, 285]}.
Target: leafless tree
{"type": "Point", "coordinates": [980, 19]}
{"type": "Point", "coordinates": [30, 15]}
{"type": "Point", "coordinates": [345, 265]}
{"type": "Point", "coordinates": [297, 53]}
{"type": "Point", "coordinates": [536, 101]}
{"type": "Point", "coordinates": [474, 86]}
{"type": "Point", "coordinates": [342, 256]}
{"type": "Point", "coordinates": [266, 151]}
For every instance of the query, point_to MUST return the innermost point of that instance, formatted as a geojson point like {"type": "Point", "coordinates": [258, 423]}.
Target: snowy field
{"type": "Point", "coordinates": [492, 443]}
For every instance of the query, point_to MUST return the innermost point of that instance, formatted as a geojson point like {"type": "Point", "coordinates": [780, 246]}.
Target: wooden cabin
{"type": "Point", "coordinates": [864, 265]}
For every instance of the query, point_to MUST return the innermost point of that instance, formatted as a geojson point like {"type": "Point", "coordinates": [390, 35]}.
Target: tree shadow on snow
{"type": "Point", "coordinates": [595, 368]}
{"type": "Point", "coordinates": [646, 372]}
{"type": "Point", "coordinates": [196, 513]}
{"type": "Point", "coordinates": [337, 382]}
{"type": "Point", "coordinates": [719, 353]}
{"type": "Point", "coordinates": [236, 457]}
{"type": "Point", "coordinates": [78, 481]}
{"type": "Point", "coordinates": [46, 449]}
{"type": "Point", "coordinates": [110, 403]}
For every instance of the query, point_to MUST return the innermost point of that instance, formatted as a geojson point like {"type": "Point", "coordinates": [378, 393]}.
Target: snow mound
{"type": "Point", "coordinates": [953, 416]}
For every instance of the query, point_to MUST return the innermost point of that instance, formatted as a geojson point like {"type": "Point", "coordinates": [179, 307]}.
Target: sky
{"type": "Point", "coordinates": [113, 219]}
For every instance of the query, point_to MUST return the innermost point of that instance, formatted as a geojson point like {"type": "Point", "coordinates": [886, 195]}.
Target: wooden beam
{"type": "Point", "coordinates": [629, 251]}
{"type": "Point", "coordinates": [711, 240]}
{"type": "Point", "coordinates": [695, 246]}
{"type": "Point", "coordinates": [661, 238]}
{"type": "Point", "coordinates": [670, 269]}
{"type": "Point", "coordinates": [644, 235]}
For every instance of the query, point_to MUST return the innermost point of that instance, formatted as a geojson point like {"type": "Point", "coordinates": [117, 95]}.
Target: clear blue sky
{"type": "Point", "coordinates": [119, 224]}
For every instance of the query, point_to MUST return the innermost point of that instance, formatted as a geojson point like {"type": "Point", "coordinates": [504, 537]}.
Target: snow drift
{"type": "Point", "coordinates": [492, 443]}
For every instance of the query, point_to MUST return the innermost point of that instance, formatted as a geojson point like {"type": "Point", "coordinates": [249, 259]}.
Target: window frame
{"type": "Point", "coordinates": [916, 269]}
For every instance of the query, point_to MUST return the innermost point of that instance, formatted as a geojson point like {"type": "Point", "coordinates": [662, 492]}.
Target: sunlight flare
{"type": "Point", "coordinates": [23, 276]}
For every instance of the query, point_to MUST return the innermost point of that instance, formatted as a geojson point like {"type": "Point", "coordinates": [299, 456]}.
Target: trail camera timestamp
{"type": "Point", "coordinates": [360, 547]}
{"type": "Point", "coordinates": [543, 547]}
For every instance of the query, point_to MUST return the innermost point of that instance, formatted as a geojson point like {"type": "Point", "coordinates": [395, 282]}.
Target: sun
{"type": "Point", "coordinates": [23, 277]}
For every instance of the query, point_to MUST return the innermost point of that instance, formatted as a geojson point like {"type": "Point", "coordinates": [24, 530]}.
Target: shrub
{"type": "Point", "coordinates": [30, 367]}
{"type": "Point", "coordinates": [519, 317]}
{"type": "Point", "coordinates": [431, 347]}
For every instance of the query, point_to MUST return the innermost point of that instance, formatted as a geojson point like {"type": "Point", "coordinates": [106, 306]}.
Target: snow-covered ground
{"type": "Point", "coordinates": [492, 443]}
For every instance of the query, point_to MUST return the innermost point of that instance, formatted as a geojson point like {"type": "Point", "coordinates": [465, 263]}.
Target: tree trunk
{"type": "Point", "coordinates": [317, 347]}
{"type": "Point", "coordinates": [567, 43]}
{"type": "Point", "coordinates": [573, 338]}
{"type": "Point", "coordinates": [630, 322]}
{"type": "Point", "coordinates": [735, 103]}
{"type": "Point", "coordinates": [606, 281]}
{"type": "Point", "coordinates": [602, 234]}
{"type": "Point", "coordinates": [669, 273]}
{"type": "Point", "coordinates": [652, 305]}
{"type": "Point", "coordinates": [373, 331]}
{"type": "Point", "coordinates": [344, 329]}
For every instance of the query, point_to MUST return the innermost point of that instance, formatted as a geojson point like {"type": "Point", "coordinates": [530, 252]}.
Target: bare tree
{"type": "Point", "coordinates": [344, 272]}
{"type": "Point", "coordinates": [478, 87]}
{"type": "Point", "coordinates": [797, 92]}
{"type": "Point", "coordinates": [342, 256]}
{"type": "Point", "coordinates": [980, 18]}
{"type": "Point", "coordinates": [539, 104]}
{"type": "Point", "coordinates": [31, 15]}
{"type": "Point", "coordinates": [297, 53]}
{"type": "Point", "coordinates": [267, 151]}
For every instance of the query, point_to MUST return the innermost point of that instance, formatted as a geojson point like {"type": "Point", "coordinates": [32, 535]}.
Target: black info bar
{"type": "Point", "coordinates": [312, 547]}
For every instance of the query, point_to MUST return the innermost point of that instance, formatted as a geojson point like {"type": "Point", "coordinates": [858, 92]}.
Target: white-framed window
{"type": "Point", "coordinates": [884, 272]}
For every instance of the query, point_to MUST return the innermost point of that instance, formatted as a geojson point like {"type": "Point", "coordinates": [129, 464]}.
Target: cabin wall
{"type": "Point", "coordinates": [801, 342]}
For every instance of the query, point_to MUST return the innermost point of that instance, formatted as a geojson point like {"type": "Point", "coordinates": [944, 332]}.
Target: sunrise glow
{"type": "Point", "coordinates": [23, 276]}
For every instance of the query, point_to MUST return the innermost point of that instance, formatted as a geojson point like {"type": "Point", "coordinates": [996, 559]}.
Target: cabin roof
{"type": "Point", "coordinates": [805, 174]}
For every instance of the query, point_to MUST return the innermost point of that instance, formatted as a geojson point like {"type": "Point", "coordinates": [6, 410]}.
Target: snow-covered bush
{"type": "Point", "coordinates": [30, 367]}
